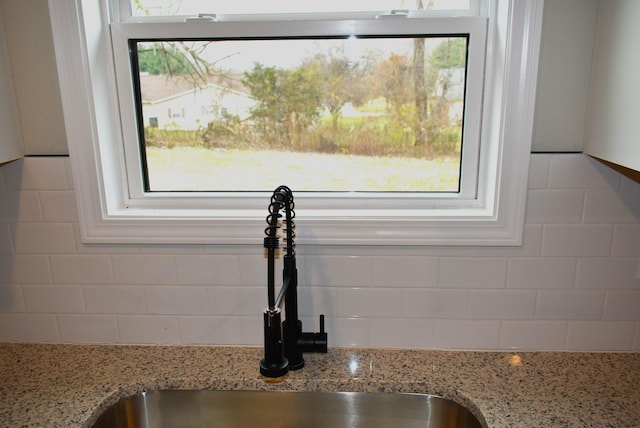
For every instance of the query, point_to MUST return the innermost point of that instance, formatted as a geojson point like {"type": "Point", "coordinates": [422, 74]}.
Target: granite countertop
{"type": "Point", "coordinates": [70, 385]}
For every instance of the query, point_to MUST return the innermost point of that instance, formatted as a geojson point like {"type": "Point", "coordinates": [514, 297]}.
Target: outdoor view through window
{"type": "Point", "coordinates": [359, 113]}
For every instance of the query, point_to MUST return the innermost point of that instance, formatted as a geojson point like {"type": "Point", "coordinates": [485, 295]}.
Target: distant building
{"type": "Point", "coordinates": [450, 88]}
{"type": "Point", "coordinates": [179, 102]}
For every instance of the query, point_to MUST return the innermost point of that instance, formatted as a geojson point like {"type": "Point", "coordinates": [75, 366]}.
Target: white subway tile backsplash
{"type": "Point", "coordinates": [600, 336]}
{"type": "Point", "coordinates": [312, 301]}
{"type": "Point", "coordinates": [576, 171]}
{"type": "Point", "coordinates": [436, 304]}
{"type": "Point", "coordinates": [88, 328]}
{"type": "Point", "coordinates": [238, 300]}
{"type": "Point", "coordinates": [29, 328]}
{"type": "Point", "coordinates": [68, 172]}
{"type": "Point", "coordinates": [44, 238]}
{"type": "Point", "coordinates": [502, 304]}
{"type": "Point", "coordinates": [369, 302]}
{"type": "Point", "coordinates": [253, 330]}
{"type": "Point", "coordinates": [554, 206]}
{"type": "Point", "coordinates": [11, 174]}
{"type": "Point", "coordinates": [20, 206]}
{"type": "Point", "coordinates": [463, 334]}
{"type": "Point", "coordinates": [6, 243]}
{"type": "Point", "coordinates": [178, 300]}
{"type": "Point", "coordinates": [11, 299]}
{"type": "Point", "coordinates": [607, 273]}
{"type": "Point", "coordinates": [537, 273]}
{"type": "Point", "coordinates": [629, 185]}
{"type": "Point", "coordinates": [350, 271]}
{"type": "Point", "coordinates": [408, 333]}
{"type": "Point", "coordinates": [539, 171]}
{"type": "Point", "coordinates": [569, 305]}
{"type": "Point", "coordinates": [81, 269]}
{"type": "Point", "coordinates": [208, 269]}
{"type": "Point", "coordinates": [346, 332]}
{"type": "Point", "coordinates": [533, 335]}
{"type": "Point", "coordinates": [405, 272]}
{"type": "Point", "coordinates": [472, 272]}
{"type": "Point", "coordinates": [59, 206]}
{"type": "Point", "coordinates": [611, 206]}
{"type": "Point", "coordinates": [144, 269]}
{"type": "Point", "coordinates": [573, 284]}
{"type": "Point", "coordinates": [36, 173]}
{"type": "Point", "coordinates": [253, 269]}
{"type": "Point", "coordinates": [622, 305]}
{"type": "Point", "coordinates": [25, 269]}
{"type": "Point", "coordinates": [115, 300]}
{"type": "Point", "coordinates": [569, 240]}
{"type": "Point", "coordinates": [53, 299]}
{"type": "Point", "coordinates": [211, 330]}
{"type": "Point", "coordinates": [151, 330]}
{"type": "Point", "coordinates": [626, 240]}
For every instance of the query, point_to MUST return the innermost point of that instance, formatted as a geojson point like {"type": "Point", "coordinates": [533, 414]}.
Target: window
{"type": "Point", "coordinates": [125, 195]}
{"type": "Point", "coordinates": [346, 108]}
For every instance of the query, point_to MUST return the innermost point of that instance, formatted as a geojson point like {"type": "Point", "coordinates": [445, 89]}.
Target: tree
{"type": "Point", "coordinates": [447, 59]}
{"type": "Point", "coordinates": [302, 97]}
{"type": "Point", "coordinates": [175, 58]}
{"type": "Point", "coordinates": [161, 58]}
{"type": "Point", "coordinates": [420, 125]}
{"type": "Point", "coordinates": [263, 85]}
{"type": "Point", "coordinates": [394, 77]}
{"type": "Point", "coordinates": [343, 81]}
{"type": "Point", "coordinates": [286, 102]}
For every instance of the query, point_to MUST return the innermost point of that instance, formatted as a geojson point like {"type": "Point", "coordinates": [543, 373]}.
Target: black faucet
{"type": "Point", "coordinates": [284, 342]}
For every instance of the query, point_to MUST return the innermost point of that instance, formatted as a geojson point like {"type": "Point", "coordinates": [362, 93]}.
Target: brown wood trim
{"type": "Point", "coordinates": [627, 172]}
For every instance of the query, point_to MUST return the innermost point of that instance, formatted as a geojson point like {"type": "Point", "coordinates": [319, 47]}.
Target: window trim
{"type": "Point", "coordinates": [87, 81]}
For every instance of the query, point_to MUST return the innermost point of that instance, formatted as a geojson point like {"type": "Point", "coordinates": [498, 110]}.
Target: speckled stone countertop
{"type": "Point", "coordinates": [70, 385]}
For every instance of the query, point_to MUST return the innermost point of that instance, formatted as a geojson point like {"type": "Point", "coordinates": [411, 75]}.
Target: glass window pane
{"type": "Point", "coordinates": [193, 7]}
{"type": "Point", "coordinates": [320, 114]}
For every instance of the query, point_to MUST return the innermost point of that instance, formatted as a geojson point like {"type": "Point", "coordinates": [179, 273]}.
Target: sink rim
{"type": "Point", "coordinates": [452, 396]}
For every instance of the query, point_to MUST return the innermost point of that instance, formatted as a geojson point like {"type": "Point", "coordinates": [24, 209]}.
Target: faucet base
{"type": "Point", "coordinates": [274, 370]}
{"type": "Point", "coordinates": [274, 363]}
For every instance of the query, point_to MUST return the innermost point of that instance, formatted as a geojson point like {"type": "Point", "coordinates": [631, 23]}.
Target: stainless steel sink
{"type": "Point", "coordinates": [279, 409]}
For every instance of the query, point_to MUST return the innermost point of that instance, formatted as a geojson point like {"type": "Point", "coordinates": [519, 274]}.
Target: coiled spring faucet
{"type": "Point", "coordinates": [284, 342]}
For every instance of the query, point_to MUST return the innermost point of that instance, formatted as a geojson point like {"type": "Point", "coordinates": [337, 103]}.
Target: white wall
{"type": "Point", "coordinates": [566, 53]}
{"type": "Point", "coordinates": [11, 146]}
{"type": "Point", "coordinates": [613, 130]}
{"type": "Point", "coordinates": [35, 77]}
{"type": "Point", "coordinates": [573, 285]}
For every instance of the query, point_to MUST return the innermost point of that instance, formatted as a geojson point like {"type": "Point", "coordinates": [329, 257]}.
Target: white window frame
{"type": "Point", "coordinates": [110, 212]}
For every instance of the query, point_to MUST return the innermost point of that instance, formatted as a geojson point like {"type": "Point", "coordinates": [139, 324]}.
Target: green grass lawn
{"type": "Point", "coordinates": [191, 168]}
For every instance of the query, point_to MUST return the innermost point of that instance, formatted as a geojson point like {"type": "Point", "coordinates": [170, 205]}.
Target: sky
{"type": "Point", "coordinates": [240, 56]}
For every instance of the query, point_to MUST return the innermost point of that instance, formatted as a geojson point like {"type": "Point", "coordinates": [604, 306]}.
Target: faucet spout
{"type": "Point", "coordinates": [284, 341]}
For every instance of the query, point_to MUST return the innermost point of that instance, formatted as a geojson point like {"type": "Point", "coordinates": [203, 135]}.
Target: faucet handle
{"type": "Point", "coordinates": [321, 339]}
{"type": "Point", "coordinates": [314, 342]}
